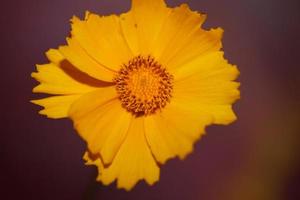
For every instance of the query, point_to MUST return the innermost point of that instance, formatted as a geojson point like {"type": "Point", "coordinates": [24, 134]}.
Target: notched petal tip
{"type": "Point", "coordinates": [125, 187]}
{"type": "Point", "coordinates": [33, 75]}
{"type": "Point", "coordinates": [54, 56]}
{"type": "Point", "coordinates": [44, 113]}
{"type": "Point", "coordinates": [87, 15]}
{"type": "Point", "coordinates": [186, 154]}
{"type": "Point", "coordinates": [36, 90]}
{"type": "Point", "coordinates": [41, 112]}
{"type": "Point", "coordinates": [230, 121]}
{"type": "Point", "coordinates": [186, 8]}
{"type": "Point", "coordinates": [217, 32]}
{"type": "Point", "coordinates": [236, 72]}
{"type": "Point", "coordinates": [34, 102]}
{"type": "Point", "coordinates": [75, 19]}
{"type": "Point", "coordinates": [38, 68]}
{"type": "Point", "coordinates": [228, 118]}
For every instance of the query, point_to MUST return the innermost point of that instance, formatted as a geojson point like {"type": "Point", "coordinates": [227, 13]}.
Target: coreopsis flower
{"type": "Point", "coordinates": [140, 87]}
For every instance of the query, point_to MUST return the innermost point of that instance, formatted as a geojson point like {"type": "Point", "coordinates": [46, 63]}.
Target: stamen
{"type": "Point", "coordinates": [143, 86]}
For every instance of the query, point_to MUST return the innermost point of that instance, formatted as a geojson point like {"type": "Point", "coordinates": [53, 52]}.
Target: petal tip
{"type": "Point", "coordinates": [87, 15]}
{"type": "Point", "coordinates": [218, 32]}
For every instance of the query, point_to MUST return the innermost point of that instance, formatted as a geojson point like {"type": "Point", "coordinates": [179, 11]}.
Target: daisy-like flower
{"type": "Point", "coordinates": [140, 87]}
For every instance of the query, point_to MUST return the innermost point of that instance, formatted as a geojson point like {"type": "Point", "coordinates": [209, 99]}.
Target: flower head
{"type": "Point", "coordinates": [140, 87]}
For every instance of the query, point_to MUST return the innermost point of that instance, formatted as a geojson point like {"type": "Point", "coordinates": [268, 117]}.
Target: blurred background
{"type": "Point", "coordinates": [255, 158]}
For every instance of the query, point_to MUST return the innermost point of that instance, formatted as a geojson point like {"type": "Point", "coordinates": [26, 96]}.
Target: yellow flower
{"type": "Point", "coordinates": [140, 87]}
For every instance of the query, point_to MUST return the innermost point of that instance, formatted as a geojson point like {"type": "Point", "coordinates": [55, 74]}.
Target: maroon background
{"type": "Point", "coordinates": [256, 158]}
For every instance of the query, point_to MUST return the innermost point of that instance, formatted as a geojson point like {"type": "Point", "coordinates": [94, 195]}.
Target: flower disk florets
{"type": "Point", "coordinates": [143, 86]}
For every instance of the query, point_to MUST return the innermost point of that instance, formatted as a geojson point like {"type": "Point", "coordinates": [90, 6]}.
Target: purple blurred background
{"type": "Point", "coordinates": [255, 158]}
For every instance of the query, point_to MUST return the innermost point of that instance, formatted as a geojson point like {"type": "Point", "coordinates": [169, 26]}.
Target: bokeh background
{"type": "Point", "coordinates": [255, 158]}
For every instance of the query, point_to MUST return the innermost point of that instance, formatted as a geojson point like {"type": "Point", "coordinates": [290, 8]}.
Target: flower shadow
{"type": "Point", "coordinates": [82, 77]}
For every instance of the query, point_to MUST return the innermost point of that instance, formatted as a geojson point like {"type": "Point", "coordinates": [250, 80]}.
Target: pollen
{"type": "Point", "coordinates": [144, 86]}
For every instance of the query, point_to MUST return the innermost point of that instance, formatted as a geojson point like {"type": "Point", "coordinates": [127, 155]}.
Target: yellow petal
{"type": "Point", "coordinates": [199, 43]}
{"type": "Point", "coordinates": [179, 25]}
{"type": "Point", "coordinates": [174, 131]}
{"type": "Point", "coordinates": [181, 38]}
{"type": "Point", "coordinates": [102, 39]}
{"type": "Point", "coordinates": [93, 159]}
{"type": "Point", "coordinates": [133, 161]}
{"type": "Point", "coordinates": [63, 79]}
{"type": "Point", "coordinates": [221, 113]}
{"type": "Point", "coordinates": [208, 66]}
{"type": "Point", "coordinates": [172, 36]}
{"type": "Point", "coordinates": [56, 106]}
{"type": "Point", "coordinates": [142, 24]}
{"type": "Point", "coordinates": [158, 139]}
{"type": "Point", "coordinates": [54, 56]}
{"type": "Point", "coordinates": [90, 101]}
{"type": "Point", "coordinates": [104, 129]}
{"type": "Point", "coordinates": [76, 55]}
{"type": "Point", "coordinates": [129, 29]}
{"type": "Point", "coordinates": [209, 90]}
{"type": "Point", "coordinates": [101, 122]}
{"type": "Point", "coordinates": [115, 133]}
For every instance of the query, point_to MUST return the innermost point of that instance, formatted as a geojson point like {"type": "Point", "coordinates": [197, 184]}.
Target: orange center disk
{"type": "Point", "coordinates": [144, 86]}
